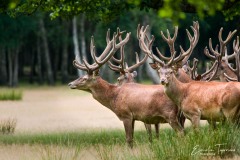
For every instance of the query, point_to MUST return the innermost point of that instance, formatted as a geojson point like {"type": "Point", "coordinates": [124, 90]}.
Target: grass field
{"type": "Point", "coordinates": [207, 143]}
{"type": "Point", "coordinates": [55, 123]}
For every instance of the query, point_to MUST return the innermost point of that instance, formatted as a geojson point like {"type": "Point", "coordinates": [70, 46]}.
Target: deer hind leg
{"type": "Point", "coordinates": [129, 129]}
{"type": "Point", "coordinates": [157, 130]}
{"type": "Point", "coordinates": [213, 124]}
{"type": "Point", "coordinates": [149, 131]}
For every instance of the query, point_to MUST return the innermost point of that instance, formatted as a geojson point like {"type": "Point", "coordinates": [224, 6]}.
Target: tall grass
{"type": "Point", "coordinates": [7, 126]}
{"type": "Point", "coordinates": [10, 94]}
{"type": "Point", "coordinates": [207, 143]}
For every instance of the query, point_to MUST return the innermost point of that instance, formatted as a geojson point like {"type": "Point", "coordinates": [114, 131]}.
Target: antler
{"type": "Point", "coordinates": [110, 49]}
{"type": "Point", "coordinates": [183, 56]}
{"type": "Point", "coordinates": [236, 54]}
{"type": "Point", "coordinates": [123, 67]}
{"type": "Point", "coordinates": [222, 43]}
{"type": "Point", "coordinates": [193, 69]}
{"type": "Point", "coordinates": [208, 75]}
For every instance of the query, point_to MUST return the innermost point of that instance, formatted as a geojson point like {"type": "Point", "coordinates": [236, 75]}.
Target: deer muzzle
{"type": "Point", "coordinates": [72, 85]}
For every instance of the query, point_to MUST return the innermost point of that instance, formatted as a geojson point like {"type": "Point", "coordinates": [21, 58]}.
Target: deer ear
{"type": "Point", "coordinates": [134, 73]}
{"type": "Point", "coordinates": [154, 65]}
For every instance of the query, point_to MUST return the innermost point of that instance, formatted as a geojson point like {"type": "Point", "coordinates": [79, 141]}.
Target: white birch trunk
{"type": "Point", "coordinates": [75, 43]}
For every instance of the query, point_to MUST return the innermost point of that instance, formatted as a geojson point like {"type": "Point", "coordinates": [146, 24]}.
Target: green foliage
{"type": "Point", "coordinates": [107, 10]}
{"type": "Point", "coordinates": [233, 12]}
{"type": "Point", "coordinates": [10, 95]}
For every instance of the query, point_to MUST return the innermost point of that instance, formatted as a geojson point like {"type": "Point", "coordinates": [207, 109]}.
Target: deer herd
{"type": "Point", "coordinates": [183, 93]}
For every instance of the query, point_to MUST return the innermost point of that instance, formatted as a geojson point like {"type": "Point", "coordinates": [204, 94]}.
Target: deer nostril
{"type": "Point", "coordinates": [69, 84]}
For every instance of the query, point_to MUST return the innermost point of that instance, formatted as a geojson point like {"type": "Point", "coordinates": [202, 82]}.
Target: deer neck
{"type": "Point", "coordinates": [174, 90]}
{"type": "Point", "coordinates": [183, 77]}
{"type": "Point", "coordinates": [103, 92]}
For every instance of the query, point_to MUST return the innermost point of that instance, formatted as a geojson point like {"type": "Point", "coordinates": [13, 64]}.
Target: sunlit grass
{"type": "Point", "coordinates": [207, 143]}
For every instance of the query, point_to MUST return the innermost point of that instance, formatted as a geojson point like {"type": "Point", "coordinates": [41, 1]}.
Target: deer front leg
{"type": "Point", "coordinates": [149, 131]}
{"type": "Point", "coordinates": [195, 119]}
{"type": "Point", "coordinates": [157, 130]}
{"type": "Point", "coordinates": [129, 129]}
{"type": "Point", "coordinates": [193, 114]}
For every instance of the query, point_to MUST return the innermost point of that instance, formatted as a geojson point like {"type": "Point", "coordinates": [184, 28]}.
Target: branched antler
{"type": "Point", "coordinates": [108, 52]}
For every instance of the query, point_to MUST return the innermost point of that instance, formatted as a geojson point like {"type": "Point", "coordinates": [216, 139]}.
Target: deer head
{"type": "Point", "coordinates": [127, 74]}
{"type": "Point", "coordinates": [165, 70]}
{"type": "Point", "coordinates": [236, 70]}
{"type": "Point", "coordinates": [85, 82]}
{"type": "Point", "coordinates": [220, 54]}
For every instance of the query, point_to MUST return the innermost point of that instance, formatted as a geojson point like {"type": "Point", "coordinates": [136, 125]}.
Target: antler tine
{"type": "Point", "coordinates": [193, 69]}
{"type": "Point", "coordinates": [79, 66]}
{"type": "Point", "coordinates": [170, 41]}
{"type": "Point", "coordinates": [207, 53]}
{"type": "Point", "coordinates": [138, 62]}
{"type": "Point", "coordinates": [209, 70]}
{"type": "Point", "coordinates": [213, 69]}
{"type": "Point", "coordinates": [215, 52]}
{"type": "Point", "coordinates": [114, 67]}
{"type": "Point", "coordinates": [229, 78]}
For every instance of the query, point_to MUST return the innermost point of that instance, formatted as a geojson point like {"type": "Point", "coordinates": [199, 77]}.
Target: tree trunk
{"type": "Point", "coordinates": [10, 70]}
{"type": "Point", "coordinates": [32, 64]}
{"type": "Point", "coordinates": [46, 52]}
{"type": "Point", "coordinates": [75, 43]}
{"type": "Point", "coordinates": [82, 36]}
{"type": "Point", "coordinates": [15, 68]}
{"type": "Point", "coordinates": [64, 64]}
{"type": "Point", "coordinates": [3, 67]}
{"type": "Point", "coordinates": [39, 63]}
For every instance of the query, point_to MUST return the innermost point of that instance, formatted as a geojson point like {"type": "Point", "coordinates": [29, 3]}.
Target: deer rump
{"type": "Point", "coordinates": [217, 101]}
{"type": "Point", "coordinates": [148, 104]}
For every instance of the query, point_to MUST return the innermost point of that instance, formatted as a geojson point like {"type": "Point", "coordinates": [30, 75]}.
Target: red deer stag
{"type": "Point", "coordinates": [129, 101]}
{"type": "Point", "coordinates": [223, 66]}
{"type": "Point", "coordinates": [212, 101]}
{"type": "Point", "coordinates": [127, 75]}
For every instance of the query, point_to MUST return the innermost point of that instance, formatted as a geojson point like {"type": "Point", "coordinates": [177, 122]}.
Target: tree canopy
{"type": "Point", "coordinates": [106, 10]}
